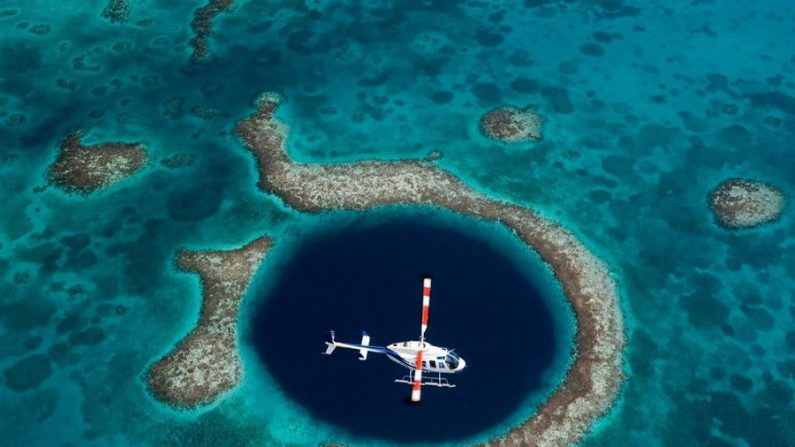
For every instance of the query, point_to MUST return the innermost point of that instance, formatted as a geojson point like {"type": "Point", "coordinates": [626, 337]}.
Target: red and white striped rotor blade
{"type": "Point", "coordinates": [417, 386]}
{"type": "Point", "coordinates": [426, 303]}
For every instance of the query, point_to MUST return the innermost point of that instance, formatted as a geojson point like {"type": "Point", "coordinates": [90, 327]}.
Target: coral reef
{"type": "Point", "coordinates": [511, 124]}
{"type": "Point", "coordinates": [202, 26]}
{"type": "Point", "coordinates": [117, 11]}
{"type": "Point", "coordinates": [84, 169]}
{"type": "Point", "coordinates": [741, 203]}
{"type": "Point", "coordinates": [594, 379]}
{"type": "Point", "coordinates": [178, 160]}
{"type": "Point", "coordinates": [206, 363]}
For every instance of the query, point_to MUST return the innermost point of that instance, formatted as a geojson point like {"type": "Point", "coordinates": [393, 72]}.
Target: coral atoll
{"type": "Point", "coordinates": [740, 203]}
{"type": "Point", "coordinates": [84, 169]}
{"type": "Point", "coordinates": [594, 378]}
{"type": "Point", "coordinates": [206, 363]}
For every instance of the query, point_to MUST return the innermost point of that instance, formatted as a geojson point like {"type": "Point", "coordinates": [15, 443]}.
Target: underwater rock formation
{"type": "Point", "coordinates": [511, 124]}
{"type": "Point", "coordinates": [84, 169]}
{"type": "Point", "coordinates": [741, 203]}
{"type": "Point", "coordinates": [206, 363]}
{"type": "Point", "coordinates": [593, 381]}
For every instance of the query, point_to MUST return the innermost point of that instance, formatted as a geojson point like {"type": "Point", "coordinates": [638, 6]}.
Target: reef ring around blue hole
{"type": "Point", "coordinates": [354, 276]}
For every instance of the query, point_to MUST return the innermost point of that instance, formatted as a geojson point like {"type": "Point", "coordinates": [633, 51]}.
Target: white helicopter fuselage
{"type": "Point", "coordinates": [434, 358]}
{"type": "Point", "coordinates": [417, 355]}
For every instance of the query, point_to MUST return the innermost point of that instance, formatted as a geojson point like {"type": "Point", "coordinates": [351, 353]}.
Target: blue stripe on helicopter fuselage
{"type": "Point", "coordinates": [397, 357]}
{"type": "Point", "coordinates": [390, 353]}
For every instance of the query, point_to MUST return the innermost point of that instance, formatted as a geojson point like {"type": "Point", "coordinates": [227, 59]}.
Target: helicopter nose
{"type": "Point", "coordinates": [461, 364]}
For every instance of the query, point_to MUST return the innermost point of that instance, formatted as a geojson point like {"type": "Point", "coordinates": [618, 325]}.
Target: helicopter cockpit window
{"type": "Point", "coordinates": [451, 360]}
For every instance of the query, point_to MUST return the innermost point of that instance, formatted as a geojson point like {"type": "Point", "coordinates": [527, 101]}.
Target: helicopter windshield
{"type": "Point", "coordinates": [452, 359]}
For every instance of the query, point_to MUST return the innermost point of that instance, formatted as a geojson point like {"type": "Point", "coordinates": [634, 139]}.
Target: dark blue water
{"type": "Point", "coordinates": [357, 278]}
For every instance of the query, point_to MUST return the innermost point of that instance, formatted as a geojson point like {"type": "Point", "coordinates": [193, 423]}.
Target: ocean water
{"type": "Point", "coordinates": [647, 106]}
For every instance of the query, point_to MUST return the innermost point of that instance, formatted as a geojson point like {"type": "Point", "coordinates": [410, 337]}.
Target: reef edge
{"type": "Point", "coordinates": [206, 363]}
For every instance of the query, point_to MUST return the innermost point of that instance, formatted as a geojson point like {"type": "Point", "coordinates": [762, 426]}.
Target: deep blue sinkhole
{"type": "Point", "coordinates": [358, 278]}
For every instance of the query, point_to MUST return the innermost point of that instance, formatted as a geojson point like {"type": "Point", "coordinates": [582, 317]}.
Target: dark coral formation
{"type": "Point", "coordinates": [173, 107]}
{"type": "Point", "coordinates": [202, 26]}
{"type": "Point", "coordinates": [511, 124]}
{"type": "Point", "coordinates": [117, 11]}
{"type": "Point", "coordinates": [741, 203]}
{"type": "Point", "coordinates": [179, 160]}
{"type": "Point", "coordinates": [28, 373]}
{"type": "Point", "coordinates": [8, 13]}
{"type": "Point", "coordinates": [84, 169]}
{"type": "Point", "coordinates": [207, 113]}
{"type": "Point", "coordinates": [206, 363]}
{"type": "Point", "coordinates": [595, 376]}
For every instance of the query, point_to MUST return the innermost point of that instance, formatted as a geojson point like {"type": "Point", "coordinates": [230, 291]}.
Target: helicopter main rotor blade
{"type": "Point", "coordinates": [417, 387]}
{"type": "Point", "coordinates": [426, 303]}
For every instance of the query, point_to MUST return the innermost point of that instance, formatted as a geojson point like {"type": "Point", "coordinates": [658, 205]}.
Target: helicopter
{"type": "Point", "coordinates": [418, 356]}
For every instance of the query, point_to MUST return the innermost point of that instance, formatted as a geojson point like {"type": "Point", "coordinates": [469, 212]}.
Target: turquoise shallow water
{"type": "Point", "coordinates": [647, 106]}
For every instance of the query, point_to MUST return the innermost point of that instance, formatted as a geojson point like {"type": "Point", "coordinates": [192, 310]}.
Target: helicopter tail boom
{"type": "Point", "coordinates": [363, 348]}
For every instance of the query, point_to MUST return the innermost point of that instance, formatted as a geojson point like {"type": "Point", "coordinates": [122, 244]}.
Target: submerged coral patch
{"type": "Point", "coordinates": [202, 26]}
{"type": "Point", "coordinates": [28, 373]}
{"type": "Point", "coordinates": [116, 11]}
{"type": "Point", "coordinates": [511, 124]}
{"type": "Point", "coordinates": [558, 98]}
